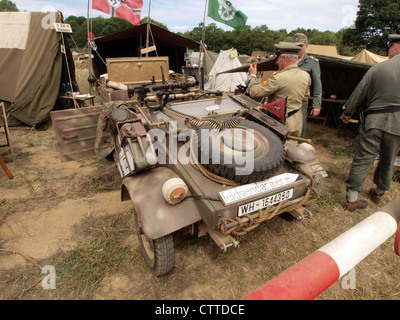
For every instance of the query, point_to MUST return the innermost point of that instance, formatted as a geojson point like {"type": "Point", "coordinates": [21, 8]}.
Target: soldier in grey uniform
{"type": "Point", "coordinates": [311, 65]}
{"type": "Point", "coordinates": [378, 95]}
{"type": "Point", "coordinates": [289, 82]}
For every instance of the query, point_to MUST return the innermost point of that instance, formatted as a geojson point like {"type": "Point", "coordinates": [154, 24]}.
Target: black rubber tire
{"type": "Point", "coordinates": [158, 253]}
{"type": "Point", "coordinates": [270, 157]}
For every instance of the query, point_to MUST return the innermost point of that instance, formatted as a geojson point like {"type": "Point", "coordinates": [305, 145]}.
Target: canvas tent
{"type": "Point", "coordinates": [208, 59]}
{"type": "Point", "coordinates": [338, 75]}
{"type": "Point", "coordinates": [258, 55]}
{"type": "Point", "coordinates": [31, 65]}
{"type": "Point", "coordinates": [369, 57]}
{"type": "Point", "coordinates": [130, 42]}
{"type": "Point", "coordinates": [330, 51]}
{"type": "Point", "coordinates": [228, 82]}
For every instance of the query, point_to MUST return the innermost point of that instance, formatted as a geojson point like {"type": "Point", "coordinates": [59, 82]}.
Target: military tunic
{"type": "Point", "coordinates": [292, 83]}
{"type": "Point", "coordinates": [311, 65]}
{"type": "Point", "coordinates": [380, 88]}
{"type": "Point", "coordinates": [379, 96]}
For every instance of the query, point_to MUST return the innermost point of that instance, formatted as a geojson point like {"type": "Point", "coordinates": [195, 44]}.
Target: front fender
{"type": "Point", "coordinates": [157, 216]}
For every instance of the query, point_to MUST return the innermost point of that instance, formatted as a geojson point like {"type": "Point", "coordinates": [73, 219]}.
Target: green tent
{"type": "Point", "coordinates": [31, 65]}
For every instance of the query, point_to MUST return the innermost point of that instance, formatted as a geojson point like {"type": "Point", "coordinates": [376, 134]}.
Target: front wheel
{"type": "Point", "coordinates": [158, 253]}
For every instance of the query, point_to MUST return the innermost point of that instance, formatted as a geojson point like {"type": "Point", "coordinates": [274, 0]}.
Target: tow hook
{"type": "Point", "coordinates": [223, 241]}
{"type": "Point", "coordinates": [235, 244]}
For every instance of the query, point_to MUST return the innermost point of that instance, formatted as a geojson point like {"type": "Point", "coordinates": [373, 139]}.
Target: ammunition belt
{"type": "Point", "coordinates": [213, 123]}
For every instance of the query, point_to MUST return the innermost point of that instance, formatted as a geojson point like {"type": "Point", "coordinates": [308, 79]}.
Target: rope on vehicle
{"type": "Point", "coordinates": [251, 223]}
{"type": "Point", "coordinates": [213, 176]}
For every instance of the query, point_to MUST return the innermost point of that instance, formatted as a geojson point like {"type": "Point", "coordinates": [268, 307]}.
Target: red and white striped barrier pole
{"type": "Point", "coordinates": [311, 276]}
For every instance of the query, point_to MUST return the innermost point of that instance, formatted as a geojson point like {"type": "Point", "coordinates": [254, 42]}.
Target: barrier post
{"type": "Point", "coordinates": [311, 276]}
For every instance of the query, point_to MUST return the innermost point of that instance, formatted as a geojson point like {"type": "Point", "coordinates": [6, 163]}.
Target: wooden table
{"type": "Point", "coordinates": [335, 111]}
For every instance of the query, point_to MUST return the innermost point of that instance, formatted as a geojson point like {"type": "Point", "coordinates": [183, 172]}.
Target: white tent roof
{"type": "Point", "coordinates": [227, 82]}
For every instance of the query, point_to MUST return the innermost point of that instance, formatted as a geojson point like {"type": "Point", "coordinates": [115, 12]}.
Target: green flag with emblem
{"type": "Point", "coordinates": [224, 11]}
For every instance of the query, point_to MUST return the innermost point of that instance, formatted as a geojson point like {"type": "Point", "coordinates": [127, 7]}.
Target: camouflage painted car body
{"type": "Point", "coordinates": [143, 185]}
{"type": "Point", "coordinates": [158, 217]}
{"type": "Point", "coordinates": [215, 206]}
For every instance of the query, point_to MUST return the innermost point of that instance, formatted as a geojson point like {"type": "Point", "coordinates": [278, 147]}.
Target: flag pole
{"type": "Point", "coordinates": [203, 32]}
{"type": "Point", "coordinates": [148, 29]}
{"type": "Point", "coordinates": [202, 46]}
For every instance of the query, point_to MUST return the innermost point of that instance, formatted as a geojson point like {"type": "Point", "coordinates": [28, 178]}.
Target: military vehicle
{"type": "Point", "coordinates": [212, 164]}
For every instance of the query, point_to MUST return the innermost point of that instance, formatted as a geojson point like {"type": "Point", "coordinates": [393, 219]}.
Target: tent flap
{"type": "Point", "coordinates": [226, 82]}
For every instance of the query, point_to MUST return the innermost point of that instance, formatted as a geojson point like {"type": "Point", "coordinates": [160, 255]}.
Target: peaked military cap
{"type": "Point", "coordinates": [394, 38]}
{"type": "Point", "coordinates": [286, 48]}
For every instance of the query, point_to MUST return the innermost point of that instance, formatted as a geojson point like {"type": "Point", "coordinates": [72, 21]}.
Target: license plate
{"type": "Point", "coordinates": [265, 202]}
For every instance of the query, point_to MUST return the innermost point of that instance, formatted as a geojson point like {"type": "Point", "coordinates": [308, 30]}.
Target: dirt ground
{"type": "Point", "coordinates": [70, 216]}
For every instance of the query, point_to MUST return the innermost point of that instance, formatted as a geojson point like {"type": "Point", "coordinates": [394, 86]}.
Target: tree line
{"type": "Point", "coordinates": [216, 39]}
{"type": "Point", "coordinates": [375, 21]}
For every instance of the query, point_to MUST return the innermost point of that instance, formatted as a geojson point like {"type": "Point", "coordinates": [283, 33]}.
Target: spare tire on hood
{"type": "Point", "coordinates": [245, 154]}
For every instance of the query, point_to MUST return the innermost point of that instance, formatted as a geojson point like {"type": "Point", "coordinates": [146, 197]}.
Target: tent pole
{"type": "Point", "coordinates": [148, 29]}
{"type": "Point", "coordinates": [68, 71]}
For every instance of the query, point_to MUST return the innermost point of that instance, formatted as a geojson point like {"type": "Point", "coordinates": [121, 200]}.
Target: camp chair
{"type": "Point", "coordinates": [8, 145]}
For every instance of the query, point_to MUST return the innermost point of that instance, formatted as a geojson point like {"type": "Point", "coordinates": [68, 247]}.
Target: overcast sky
{"type": "Point", "coordinates": [183, 15]}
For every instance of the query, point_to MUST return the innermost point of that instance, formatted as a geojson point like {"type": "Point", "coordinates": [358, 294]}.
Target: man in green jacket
{"type": "Point", "coordinates": [378, 95]}
{"type": "Point", "coordinates": [311, 65]}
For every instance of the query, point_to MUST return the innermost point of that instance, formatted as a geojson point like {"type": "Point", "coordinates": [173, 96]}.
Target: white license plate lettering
{"type": "Point", "coordinates": [265, 202]}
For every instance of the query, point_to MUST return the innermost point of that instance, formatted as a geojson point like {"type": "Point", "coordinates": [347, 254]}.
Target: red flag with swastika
{"type": "Point", "coordinates": [128, 10]}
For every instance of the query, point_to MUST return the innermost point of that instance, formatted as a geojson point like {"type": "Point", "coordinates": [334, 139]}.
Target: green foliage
{"type": "Point", "coordinates": [327, 38]}
{"type": "Point", "coordinates": [259, 38]}
{"type": "Point", "coordinates": [6, 5]}
{"type": "Point", "coordinates": [99, 27]}
{"type": "Point", "coordinates": [375, 21]}
{"type": "Point", "coordinates": [251, 39]}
